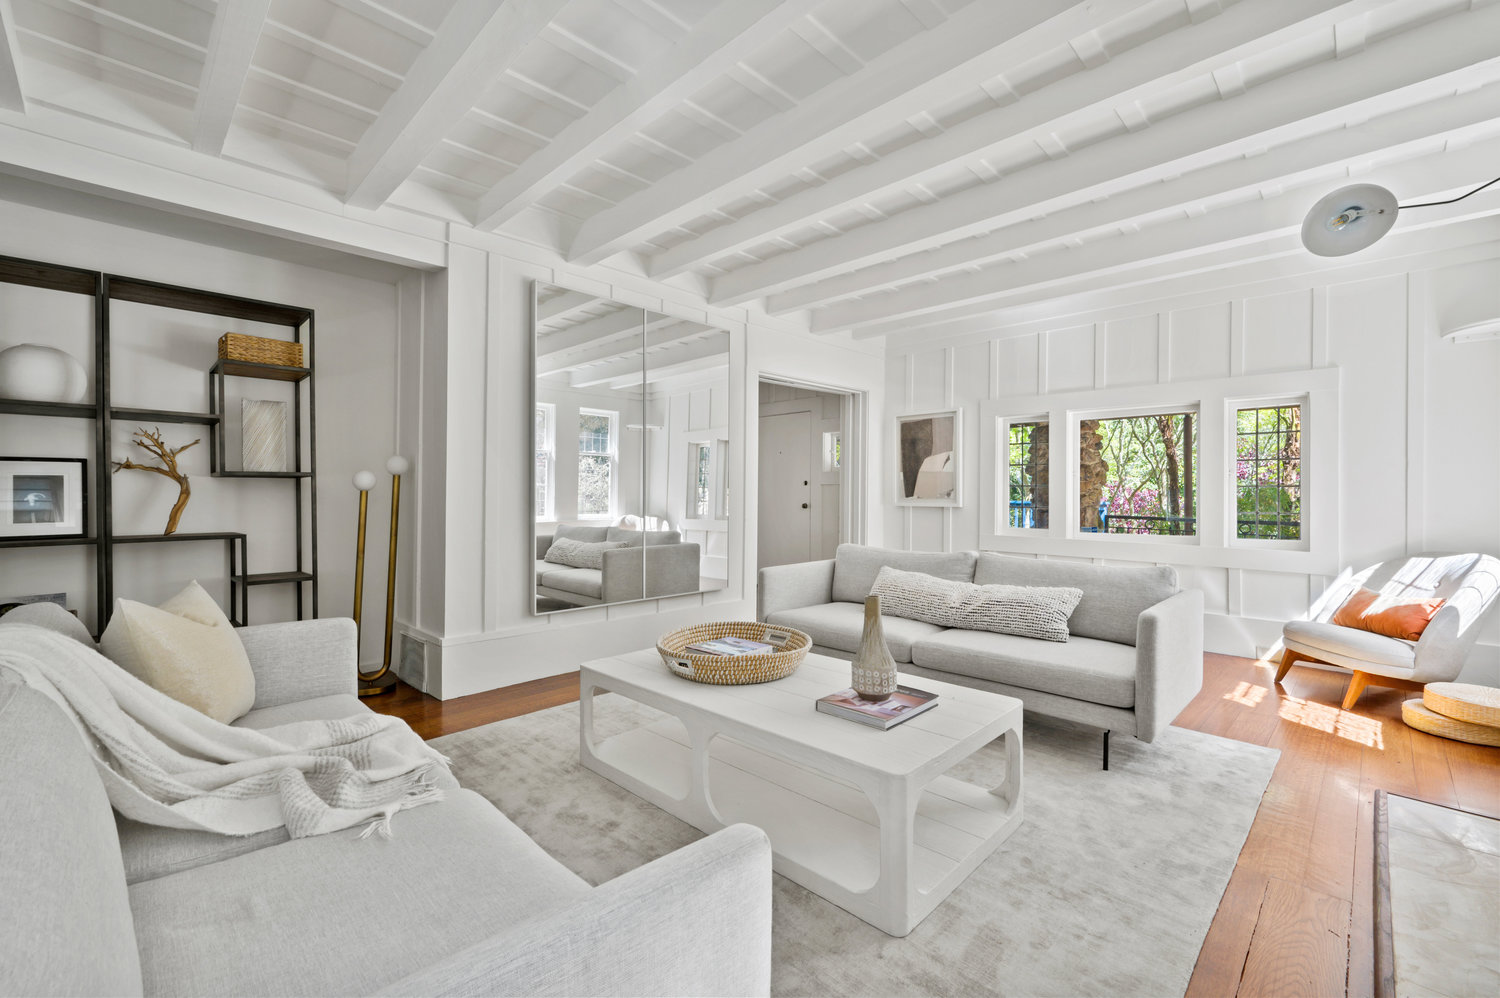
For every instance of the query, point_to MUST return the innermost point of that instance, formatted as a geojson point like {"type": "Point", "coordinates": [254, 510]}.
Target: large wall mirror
{"type": "Point", "coordinates": [632, 449]}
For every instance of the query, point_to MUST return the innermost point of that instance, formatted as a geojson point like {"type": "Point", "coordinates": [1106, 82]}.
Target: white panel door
{"type": "Point", "coordinates": [785, 528]}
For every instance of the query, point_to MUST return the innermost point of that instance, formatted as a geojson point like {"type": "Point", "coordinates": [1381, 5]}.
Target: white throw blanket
{"type": "Point", "coordinates": [164, 763]}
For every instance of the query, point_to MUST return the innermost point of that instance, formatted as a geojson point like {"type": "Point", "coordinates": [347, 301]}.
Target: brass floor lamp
{"type": "Point", "coordinates": [383, 680]}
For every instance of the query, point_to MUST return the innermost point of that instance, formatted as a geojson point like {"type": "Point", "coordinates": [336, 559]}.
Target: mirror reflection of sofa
{"type": "Point", "coordinates": [651, 563]}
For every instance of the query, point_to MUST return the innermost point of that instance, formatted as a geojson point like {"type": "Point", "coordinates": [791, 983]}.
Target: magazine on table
{"type": "Point", "coordinates": [903, 705]}
{"type": "Point", "coordinates": [730, 646]}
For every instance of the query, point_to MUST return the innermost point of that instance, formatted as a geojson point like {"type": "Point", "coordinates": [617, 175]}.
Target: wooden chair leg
{"type": "Point", "coordinates": [1357, 683]}
{"type": "Point", "coordinates": [1289, 658]}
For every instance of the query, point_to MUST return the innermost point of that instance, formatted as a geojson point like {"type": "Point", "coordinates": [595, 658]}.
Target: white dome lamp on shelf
{"type": "Point", "coordinates": [1355, 217]}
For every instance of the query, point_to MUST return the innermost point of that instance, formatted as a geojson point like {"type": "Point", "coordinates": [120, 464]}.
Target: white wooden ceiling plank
{"type": "Point", "coordinates": [691, 355]}
{"type": "Point", "coordinates": [587, 52]}
{"type": "Point", "coordinates": [1149, 67]}
{"type": "Point", "coordinates": [1321, 91]}
{"type": "Point", "coordinates": [561, 308]}
{"type": "Point", "coordinates": [387, 19]}
{"type": "Point", "coordinates": [909, 79]}
{"type": "Point", "coordinates": [321, 49]}
{"type": "Point", "coordinates": [98, 63]}
{"type": "Point", "coordinates": [1388, 135]}
{"type": "Point", "coordinates": [1243, 224]}
{"type": "Point", "coordinates": [654, 16]}
{"type": "Point", "coordinates": [312, 94]}
{"type": "Point", "coordinates": [925, 11]}
{"type": "Point", "coordinates": [828, 45]}
{"type": "Point", "coordinates": [557, 352]}
{"type": "Point", "coordinates": [226, 63]}
{"type": "Point", "coordinates": [474, 45]}
{"type": "Point", "coordinates": [728, 34]}
{"type": "Point", "coordinates": [12, 93]}
{"type": "Point", "coordinates": [112, 21]}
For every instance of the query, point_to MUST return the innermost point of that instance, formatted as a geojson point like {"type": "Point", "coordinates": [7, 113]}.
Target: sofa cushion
{"type": "Point", "coordinates": [651, 538]}
{"type": "Point", "coordinates": [306, 917]}
{"type": "Point", "coordinates": [53, 618]}
{"type": "Point", "coordinates": [1029, 611]}
{"type": "Point", "coordinates": [151, 851]}
{"type": "Point", "coordinates": [583, 581]}
{"type": "Point", "coordinates": [580, 554]}
{"type": "Point", "coordinates": [1114, 596]}
{"type": "Point", "coordinates": [855, 567]}
{"type": "Point", "coordinates": [1348, 646]}
{"type": "Point", "coordinates": [187, 649]}
{"type": "Point", "coordinates": [1082, 669]}
{"type": "Point", "coordinates": [580, 532]}
{"type": "Point", "coordinates": [64, 912]}
{"type": "Point", "coordinates": [841, 625]}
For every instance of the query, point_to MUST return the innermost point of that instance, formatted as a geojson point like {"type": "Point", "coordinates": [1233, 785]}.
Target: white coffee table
{"type": "Point", "coordinates": [863, 817]}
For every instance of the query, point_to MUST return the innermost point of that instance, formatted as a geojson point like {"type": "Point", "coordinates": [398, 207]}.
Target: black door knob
{"type": "Point", "coordinates": [804, 505]}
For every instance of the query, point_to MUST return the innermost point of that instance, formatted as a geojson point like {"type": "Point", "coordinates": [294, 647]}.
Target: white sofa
{"type": "Point", "coordinates": [458, 901]}
{"type": "Point", "coordinates": [654, 563]}
{"type": "Point", "coordinates": [1132, 661]}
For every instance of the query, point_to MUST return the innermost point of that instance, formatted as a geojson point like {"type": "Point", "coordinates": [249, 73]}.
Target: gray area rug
{"type": "Point", "coordinates": [1108, 887]}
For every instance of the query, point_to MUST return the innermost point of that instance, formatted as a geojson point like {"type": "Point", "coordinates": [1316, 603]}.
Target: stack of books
{"type": "Point", "coordinates": [903, 705]}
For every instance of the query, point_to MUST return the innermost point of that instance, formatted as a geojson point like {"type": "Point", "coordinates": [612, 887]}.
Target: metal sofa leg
{"type": "Point", "coordinates": [1106, 749]}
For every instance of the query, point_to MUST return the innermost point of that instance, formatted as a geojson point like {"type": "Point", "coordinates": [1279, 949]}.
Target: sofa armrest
{"type": "Point", "coordinates": [672, 569]}
{"type": "Point", "coordinates": [301, 659]}
{"type": "Point", "coordinates": [622, 575]}
{"type": "Point", "coordinates": [1169, 661]}
{"type": "Point", "coordinates": [694, 922]}
{"type": "Point", "coordinates": [789, 587]}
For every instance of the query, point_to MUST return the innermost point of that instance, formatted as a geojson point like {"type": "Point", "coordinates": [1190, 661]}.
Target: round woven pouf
{"type": "Point", "coordinates": [1464, 702]}
{"type": "Point", "coordinates": [1420, 717]}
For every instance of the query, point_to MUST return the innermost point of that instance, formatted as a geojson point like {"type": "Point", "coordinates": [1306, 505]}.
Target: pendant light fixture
{"type": "Point", "coordinates": [1354, 217]}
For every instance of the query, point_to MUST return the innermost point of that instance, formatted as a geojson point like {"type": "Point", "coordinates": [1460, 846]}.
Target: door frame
{"type": "Point", "coordinates": [854, 423]}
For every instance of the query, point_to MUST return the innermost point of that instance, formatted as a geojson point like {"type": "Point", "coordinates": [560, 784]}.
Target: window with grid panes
{"type": "Point", "coordinates": [1268, 472]}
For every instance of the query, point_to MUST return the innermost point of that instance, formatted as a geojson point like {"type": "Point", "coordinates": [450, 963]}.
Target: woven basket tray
{"type": "Point", "coordinates": [260, 350]}
{"type": "Point", "coordinates": [734, 670]}
{"type": "Point", "coordinates": [1430, 721]}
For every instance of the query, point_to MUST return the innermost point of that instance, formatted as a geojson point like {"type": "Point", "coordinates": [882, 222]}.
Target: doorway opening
{"type": "Point", "coordinates": [811, 452]}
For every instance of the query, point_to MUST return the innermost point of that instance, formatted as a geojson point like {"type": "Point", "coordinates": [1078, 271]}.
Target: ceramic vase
{"type": "Point", "coordinates": [41, 374]}
{"type": "Point", "coordinates": [874, 669]}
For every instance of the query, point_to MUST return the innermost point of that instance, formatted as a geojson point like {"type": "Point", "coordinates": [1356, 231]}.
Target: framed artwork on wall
{"type": "Point", "coordinates": [43, 497]}
{"type": "Point", "coordinates": [928, 448]}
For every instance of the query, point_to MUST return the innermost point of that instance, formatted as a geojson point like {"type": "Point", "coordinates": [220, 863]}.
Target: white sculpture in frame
{"type": "Point", "coordinates": [263, 435]}
{"type": "Point", "coordinates": [928, 448]}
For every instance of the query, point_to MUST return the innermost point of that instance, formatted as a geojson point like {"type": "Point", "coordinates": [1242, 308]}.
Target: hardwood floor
{"type": "Point", "coordinates": [1297, 916]}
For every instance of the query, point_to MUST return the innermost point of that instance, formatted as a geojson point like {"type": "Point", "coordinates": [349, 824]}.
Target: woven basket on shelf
{"type": "Point", "coordinates": [260, 350]}
{"type": "Point", "coordinates": [733, 670]}
{"type": "Point", "coordinates": [1430, 721]}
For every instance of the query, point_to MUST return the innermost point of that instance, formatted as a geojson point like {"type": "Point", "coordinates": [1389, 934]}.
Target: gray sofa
{"type": "Point", "coordinates": [655, 563]}
{"type": "Point", "coordinates": [1133, 659]}
{"type": "Point", "coordinates": [457, 901]}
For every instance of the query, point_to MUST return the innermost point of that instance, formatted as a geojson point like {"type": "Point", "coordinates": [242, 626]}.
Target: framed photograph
{"type": "Point", "coordinates": [43, 497]}
{"type": "Point", "coordinates": [928, 448]}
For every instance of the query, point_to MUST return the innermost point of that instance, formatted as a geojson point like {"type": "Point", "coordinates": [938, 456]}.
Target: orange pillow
{"type": "Point", "coordinates": [1406, 619]}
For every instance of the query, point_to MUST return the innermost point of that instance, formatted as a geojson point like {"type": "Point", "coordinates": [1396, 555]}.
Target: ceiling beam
{"type": "Point", "coordinates": [1264, 115]}
{"type": "Point", "coordinates": [12, 95]}
{"type": "Point", "coordinates": [1184, 241]}
{"type": "Point", "coordinates": [559, 307]}
{"type": "Point", "coordinates": [728, 34]}
{"type": "Point", "coordinates": [1167, 60]}
{"type": "Point", "coordinates": [476, 43]}
{"type": "Point", "coordinates": [1403, 134]}
{"type": "Point", "coordinates": [670, 360]}
{"type": "Point", "coordinates": [226, 64]}
{"type": "Point", "coordinates": [560, 352]}
{"type": "Point", "coordinates": [910, 79]}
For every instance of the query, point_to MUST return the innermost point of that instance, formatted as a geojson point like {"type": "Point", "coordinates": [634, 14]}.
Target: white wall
{"type": "Point", "coordinates": [1419, 422]}
{"type": "Point", "coordinates": [471, 343]}
{"type": "Point", "coordinates": [160, 361]}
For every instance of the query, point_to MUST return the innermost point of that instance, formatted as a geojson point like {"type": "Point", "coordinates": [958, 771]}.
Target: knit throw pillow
{"type": "Point", "coordinates": [1040, 612]}
{"type": "Point", "coordinates": [187, 649]}
{"type": "Point", "coordinates": [1404, 617]}
{"type": "Point", "coordinates": [580, 554]}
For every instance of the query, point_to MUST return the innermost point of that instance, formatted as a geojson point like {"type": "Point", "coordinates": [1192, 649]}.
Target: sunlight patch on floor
{"type": "Point", "coordinates": [1326, 717]}
{"type": "Point", "coordinates": [1246, 694]}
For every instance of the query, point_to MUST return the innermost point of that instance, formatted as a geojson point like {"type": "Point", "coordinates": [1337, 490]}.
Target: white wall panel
{"type": "Point", "coordinates": [1130, 351]}
{"type": "Point", "coordinates": [1272, 595]}
{"type": "Point", "coordinates": [1198, 343]}
{"type": "Point", "coordinates": [1070, 359]}
{"type": "Point", "coordinates": [1211, 581]}
{"type": "Point", "coordinates": [1016, 365]}
{"type": "Point", "coordinates": [1278, 332]}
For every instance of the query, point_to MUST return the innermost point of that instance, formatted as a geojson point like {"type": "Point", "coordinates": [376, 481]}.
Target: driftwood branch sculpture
{"type": "Point", "coordinates": [151, 442]}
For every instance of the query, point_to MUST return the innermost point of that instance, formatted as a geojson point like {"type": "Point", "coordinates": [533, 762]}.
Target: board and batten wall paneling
{"type": "Point", "coordinates": [1418, 460]}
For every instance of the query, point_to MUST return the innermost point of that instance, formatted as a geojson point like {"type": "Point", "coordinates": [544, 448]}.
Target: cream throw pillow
{"type": "Point", "coordinates": [187, 649]}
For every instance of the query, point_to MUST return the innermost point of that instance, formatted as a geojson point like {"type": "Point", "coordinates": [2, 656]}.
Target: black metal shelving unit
{"type": "Point", "coordinates": [302, 480]}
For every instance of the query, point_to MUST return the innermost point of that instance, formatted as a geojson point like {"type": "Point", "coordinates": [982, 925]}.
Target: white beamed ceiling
{"type": "Point", "coordinates": [875, 166]}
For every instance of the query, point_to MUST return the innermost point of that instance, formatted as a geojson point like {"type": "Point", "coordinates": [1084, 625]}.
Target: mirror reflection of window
{"type": "Point", "coordinates": [597, 455]}
{"type": "Point", "coordinates": [545, 438]}
{"type": "Point", "coordinates": [701, 461]}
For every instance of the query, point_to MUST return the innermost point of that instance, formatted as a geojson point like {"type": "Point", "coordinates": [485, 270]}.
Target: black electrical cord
{"type": "Point", "coordinates": [1429, 204]}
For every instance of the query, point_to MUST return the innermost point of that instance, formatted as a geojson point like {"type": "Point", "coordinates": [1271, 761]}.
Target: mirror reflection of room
{"type": "Point", "coordinates": [631, 463]}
